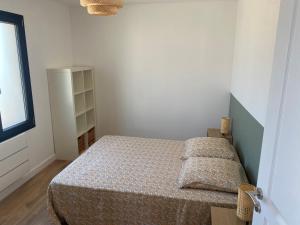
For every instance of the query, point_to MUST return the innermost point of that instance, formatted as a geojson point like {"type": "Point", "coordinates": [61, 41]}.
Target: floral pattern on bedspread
{"type": "Point", "coordinates": [129, 181]}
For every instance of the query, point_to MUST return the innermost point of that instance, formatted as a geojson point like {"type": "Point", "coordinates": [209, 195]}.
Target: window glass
{"type": "Point", "coordinates": [12, 105]}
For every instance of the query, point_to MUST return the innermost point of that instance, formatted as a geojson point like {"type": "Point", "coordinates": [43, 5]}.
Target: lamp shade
{"type": "Point", "coordinates": [117, 3]}
{"type": "Point", "coordinates": [225, 125]}
{"type": "Point", "coordinates": [102, 10]}
{"type": "Point", "coordinates": [245, 204]}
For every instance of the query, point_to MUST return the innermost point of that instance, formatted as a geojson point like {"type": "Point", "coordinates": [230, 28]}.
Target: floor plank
{"type": "Point", "coordinates": [27, 205]}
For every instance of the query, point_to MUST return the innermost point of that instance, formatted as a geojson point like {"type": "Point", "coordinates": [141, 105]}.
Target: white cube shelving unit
{"type": "Point", "coordinates": [72, 101]}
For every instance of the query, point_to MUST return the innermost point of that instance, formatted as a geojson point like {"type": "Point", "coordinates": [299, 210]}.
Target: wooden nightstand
{"type": "Point", "coordinates": [224, 216]}
{"type": "Point", "coordinates": [213, 132]}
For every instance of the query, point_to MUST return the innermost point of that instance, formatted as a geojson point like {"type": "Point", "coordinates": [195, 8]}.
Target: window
{"type": "Point", "coordinates": [16, 107]}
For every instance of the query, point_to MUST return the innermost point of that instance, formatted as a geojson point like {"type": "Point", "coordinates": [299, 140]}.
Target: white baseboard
{"type": "Point", "coordinates": [10, 189]}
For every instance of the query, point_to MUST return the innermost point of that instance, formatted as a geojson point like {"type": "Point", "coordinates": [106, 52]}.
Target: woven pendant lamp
{"type": "Point", "coordinates": [102, 7]}
{"type": "Point", "coordinates": [116, 3]}
{"type": "Point", "coordinates": [102, 10]}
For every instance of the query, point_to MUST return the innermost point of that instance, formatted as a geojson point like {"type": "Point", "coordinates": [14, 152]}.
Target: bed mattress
{"type": "Point", "coordinates": [130, 181]}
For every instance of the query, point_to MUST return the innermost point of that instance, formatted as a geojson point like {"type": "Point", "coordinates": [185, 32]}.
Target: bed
{"type": "Point", "coordinates": [130, 181]}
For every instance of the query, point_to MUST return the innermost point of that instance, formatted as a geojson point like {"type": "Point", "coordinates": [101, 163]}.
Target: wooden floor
{"type": "Point", "coordinates": [27, 205]}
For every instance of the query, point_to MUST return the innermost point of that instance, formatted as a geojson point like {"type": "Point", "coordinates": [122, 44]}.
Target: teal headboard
{"type": "Point", "coordinates": [247, 135]}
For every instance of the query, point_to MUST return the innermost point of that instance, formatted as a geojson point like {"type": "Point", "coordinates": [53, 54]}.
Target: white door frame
{"type": "Point", "coordinates": [285, 34]}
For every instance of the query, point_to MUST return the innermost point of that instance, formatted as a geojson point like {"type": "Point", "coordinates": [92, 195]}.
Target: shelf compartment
{"type": "Point", "coordinates": [88, 80]}
{"type": "Point", "coordinates": [79, 104]}
{"type": "Point", "coordinates": [89, 99]}
{"type": "Point", "coordinates": [81, 124]}
{"type": "Point", "coordinates": [90, 118]}
{"type": "Point", "coordinates": [78, 82]}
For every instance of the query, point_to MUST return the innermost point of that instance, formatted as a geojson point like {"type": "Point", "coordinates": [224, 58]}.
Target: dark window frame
{"type": "Point", "coordinates": [29, 123]}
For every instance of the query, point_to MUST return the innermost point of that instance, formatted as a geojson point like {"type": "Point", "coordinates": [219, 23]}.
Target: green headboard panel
{"type": "Point", "coordinates": [247, 135]}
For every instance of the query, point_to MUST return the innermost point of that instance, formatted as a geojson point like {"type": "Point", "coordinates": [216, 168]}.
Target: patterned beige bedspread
{"type": "Point", "coordinates": [129, 181]}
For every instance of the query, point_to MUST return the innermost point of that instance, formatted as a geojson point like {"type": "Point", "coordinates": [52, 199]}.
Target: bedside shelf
{"type": "Point", "coordinates": [224, 216]}
{"type": "Point", "coordinates": [213, 132]}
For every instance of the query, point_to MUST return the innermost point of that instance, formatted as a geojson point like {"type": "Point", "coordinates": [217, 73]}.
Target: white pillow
{"type": "Point", "coordinates": [208, 147]}
{"type": "Point", "coordinates": [211, 174]}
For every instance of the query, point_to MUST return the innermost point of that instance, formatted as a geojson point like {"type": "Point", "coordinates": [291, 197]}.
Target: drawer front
{"type": "Point", "coordinates": [14, 175]}
{"type": "Point", "coordinates": [13, 145]}
{"type": "Point", "coordinates": [13, 161]}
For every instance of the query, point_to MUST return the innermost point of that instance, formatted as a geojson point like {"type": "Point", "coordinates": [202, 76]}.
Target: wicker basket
{"type": "Point", "coordinates": [81, 144]}
{"type": "Point", "coordinates": [245, 205]}
{"type": "Point", "coordinates": [91, 137]}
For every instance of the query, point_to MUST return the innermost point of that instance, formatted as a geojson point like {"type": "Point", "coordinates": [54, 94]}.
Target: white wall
{"type": "Point", "coordinates": [253, 56]}
{"type": "Point", "coordinates": [48, 34]}
{"type": "Point", "coordinates": [162, 69]}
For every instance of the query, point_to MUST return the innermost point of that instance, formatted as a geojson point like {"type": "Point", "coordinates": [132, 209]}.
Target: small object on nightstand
{"type": "Point", "coordinates": [225, 125]}
{"type": "Point", "coordinates": [224, 216]}
{"type": "Point", "coordinates": [245, 204]}
{"type": "Point", "coordinates": [212, 132]}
